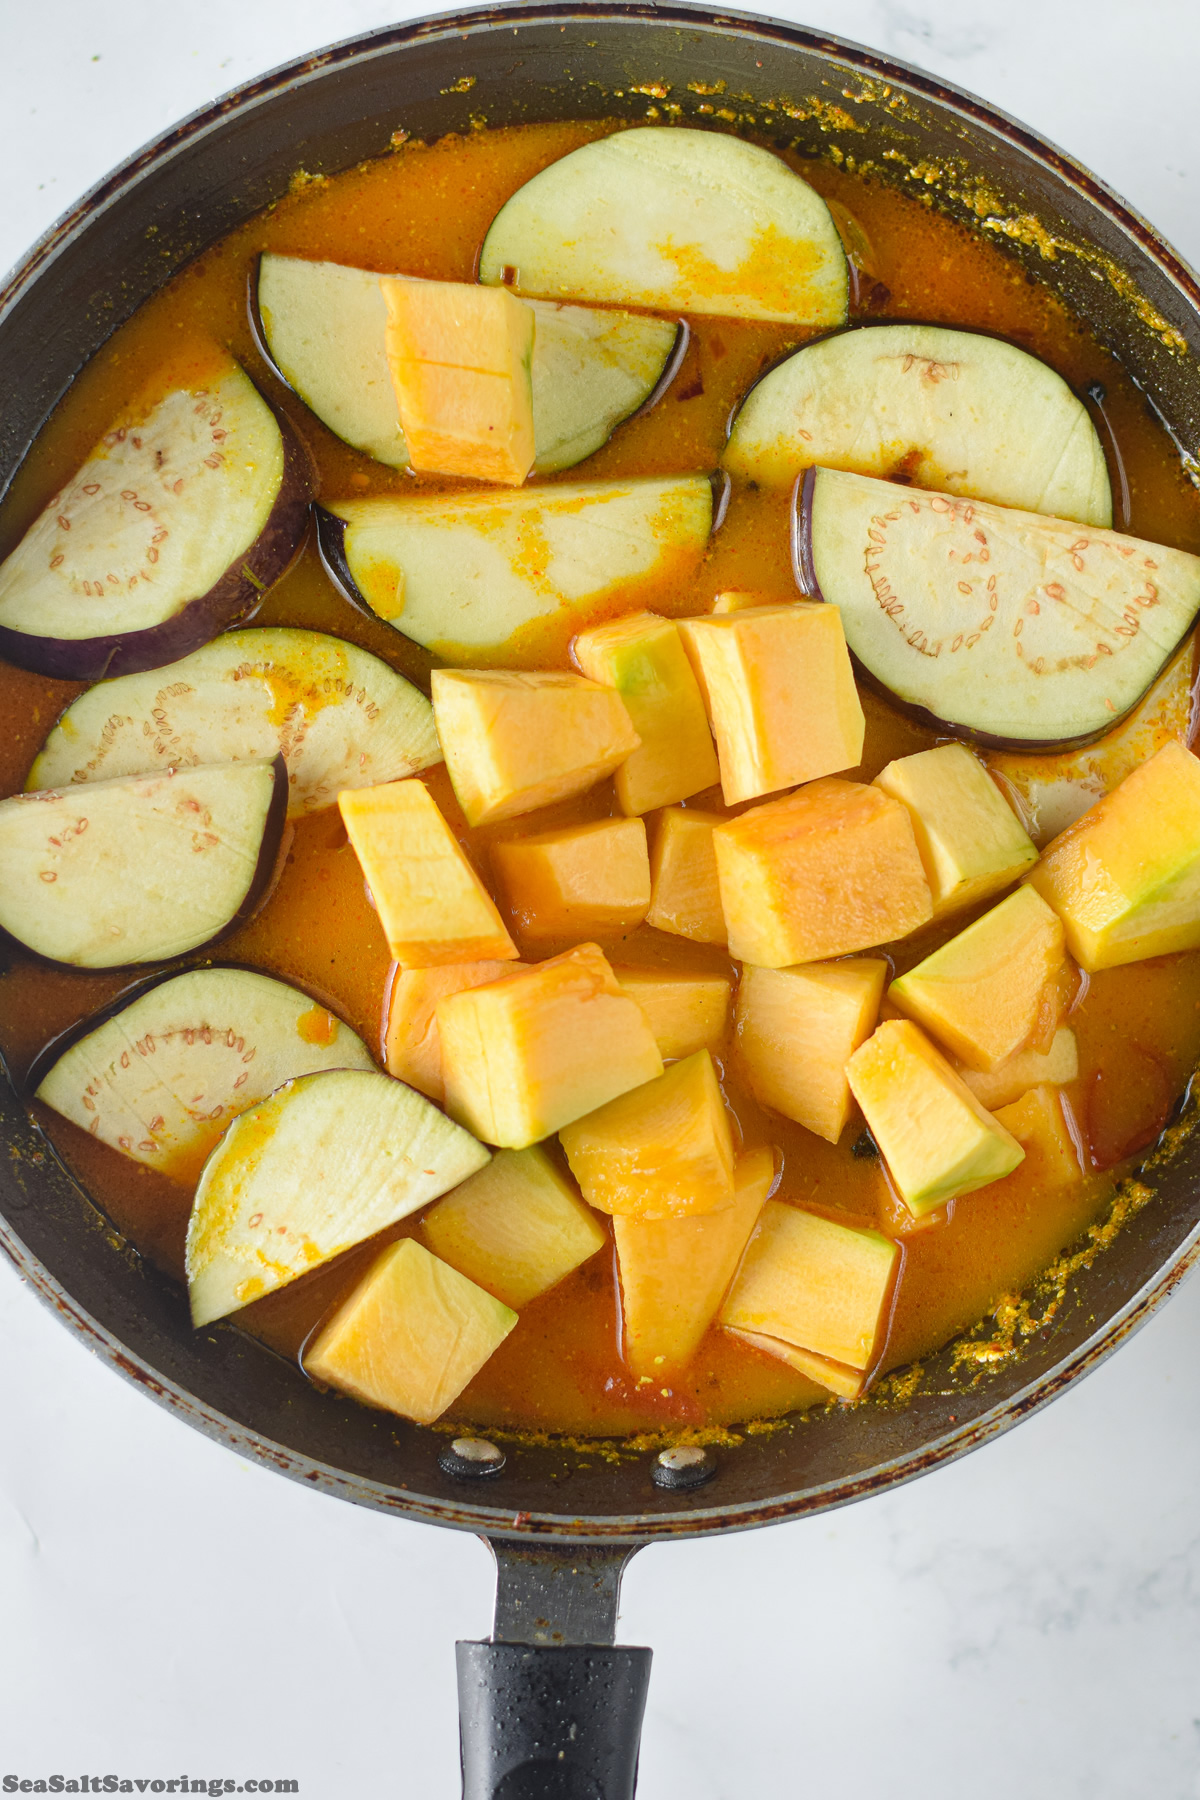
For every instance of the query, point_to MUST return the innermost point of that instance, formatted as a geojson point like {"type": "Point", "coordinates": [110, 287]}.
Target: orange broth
{"type": "Point", "coordinates": [424, 211]}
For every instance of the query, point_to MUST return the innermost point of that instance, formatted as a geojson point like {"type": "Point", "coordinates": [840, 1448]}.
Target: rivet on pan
{"type": "Point", "coordinates": [472, 1458]}
{"type": "Point", "coordinates": [683, 1466]}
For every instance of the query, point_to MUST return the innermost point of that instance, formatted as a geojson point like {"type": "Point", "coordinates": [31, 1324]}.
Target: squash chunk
{"type": "Point", "coordinates": [514, 741]}
{"type": "Point", "coordinates": [971, 842]}
{"type": "Point", "coordinates": [1027, 1069]}
{"type": "Point", "coordinates": [526, 1055]}
{"type": "Point", "coordinates": [815, 1284]}
{"type": "Point", "coordinates": [1125, 878]}
{"type": "Point", "coordinates": [935, 1137]}
{"type": "Point", "coordinates": [780, 692]}
{"type": "Point", "coordinates": [410, 1336]}
{"type": "Point", "coordinates": [999, 987]}
{"type": "Point", "coordinates": [796, 1030]}
{"type": "Point", "coordinates": [1038, 1121]}
{"type": "Point", "coordinates": [664, 1151]}
{"type": "Point", "coordinates": [674, 1272]}
{"type": "Point", "coordinates": [412, 1045]}
{"type": "Point", "coordinates": [839, 1378]}
{"type": "Point", "coordinates": [686, 1012]}
{"type": "Point", "coordinates": [829, 870]}
{"type": "Point", "coordinates": [683, 868]}
{"type": "Point", "coordinates": [518, 1231]}
{"type": "Point", "coordinates": [431, 903]}
{"type": "Point", "coordinates": [590, 881]}
{"type": "Point", "coordinates": [643, 658]}
{"type": "Point", "coordinates": [461, 362]}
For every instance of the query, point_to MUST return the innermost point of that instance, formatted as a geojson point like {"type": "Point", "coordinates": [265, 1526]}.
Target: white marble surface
{"type": "Point", "coordinates": [1025, 1623]}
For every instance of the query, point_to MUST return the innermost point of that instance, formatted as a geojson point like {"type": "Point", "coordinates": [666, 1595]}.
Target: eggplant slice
{"type": "Point", "coordinates": [1008, 627]}
{"type": "Point", "coordinates": [950, 410]}
{"type": "Point", "coordinates": [326, 1162]}
{"type": "Point", "coordinates": [323, 327]}
{"type": "Point", "coordinates": [143, 868]}
{"type": "Point", "coordinates": [339, 716]}
{"type": "Point", "coordinates": [160, 1078]}
{"type": "Point", "coordinates": [174, 528]}
{"type": "Point", "coordinates": [464, 573]}
{"type": "Point", "coordinates": [678, 221]}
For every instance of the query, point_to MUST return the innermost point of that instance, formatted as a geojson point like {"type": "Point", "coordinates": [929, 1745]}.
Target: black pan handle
{"type": "Point", "coordinates": [550, 1708]}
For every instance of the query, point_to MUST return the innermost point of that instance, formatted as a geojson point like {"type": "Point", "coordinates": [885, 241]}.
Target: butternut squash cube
{"type": "Point", "coordinates": [410, 1336]}
{"type": "Point", "coordinates": [686, 897]}
{"type": "Point", "coordinates": [686, 1012]}
{"type": "Point", "coordinates": [740, 599]}
{"type": "Point", "coordinates": [797, 1029]}
{"type": "Point", "coordinates": [999, 987]}
{"type": "Point", "coordinates": [935, 1137]}
{"type": "Point", "coordinates": [664, 1151]}
{"type": "Point", "coordinates": [839, 1378]}
{"type": "Point", "coordinates": [971, 841]}
{"type": "Point", "coordinates": [412, 1044]}
{"type": "Point", "coordinates": [1038, 1121]}
{"type": "Point", "coordinates": [818, 1285]}
{"type": "Point", "coordinates": [461, 362]}
{"type": "Point", "coordinates": [519, 1232]}
{"type": "Point", "coordinates": [526, 1055]}
{"type": "Point", "coordinates": [780, 692]}
{"type": "Point", "coordinates": [589, 881]}
{"type": "Point", "coordinates": [1027, 1069]}
{"type": "Point", "coordinates": [1125, 878]}
{"type": "Point", "coordinates": [515, 740]}
{"type": "Point", "coordinates": [643, 658]}
{"type": "Point", "coordinates": [431, 903]}
{"type": "Point", "coordinates": [826, 871]}
{"type": "Point", "coordinates": [674, 1272]}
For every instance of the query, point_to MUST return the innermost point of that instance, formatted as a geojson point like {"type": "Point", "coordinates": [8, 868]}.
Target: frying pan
{"type": "Point", "coordinates": [550, 1707]}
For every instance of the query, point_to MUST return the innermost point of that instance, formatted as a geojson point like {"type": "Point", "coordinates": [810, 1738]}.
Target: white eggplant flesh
{"type": "Point", "coordinates": [324, 328]}
{"type": "Point", "coordinates": [160, 1077]}
{"type": "Point", "coordinates": [172, 530]}
{"type": "Point", "coordinates": [143, 868]}
{"type": "Point", "coordinates": [950, 410]}
{"type": "Point", "coordinates": [464, 574]}
{"type": "Point", "coordinates": [1017, 630]}
{"type": "Point", "coordinates": [676, 221]}
{"type": "Point", "coordinates": [339, 717]}
{"type": "Point", "coordinates": [322, 1165]}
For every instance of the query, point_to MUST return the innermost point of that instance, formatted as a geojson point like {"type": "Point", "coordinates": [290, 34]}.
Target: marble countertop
{"type": "Point", "coordinates": [1026, 1622]}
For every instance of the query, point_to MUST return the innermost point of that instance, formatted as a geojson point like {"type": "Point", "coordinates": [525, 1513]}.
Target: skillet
{"type": "Point", "coordinates": [550, 1708]}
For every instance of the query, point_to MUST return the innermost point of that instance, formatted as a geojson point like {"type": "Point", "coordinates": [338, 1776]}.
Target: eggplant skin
{"type": "Point", "coordinates": [804, 569]}
{"type": "Point", "coordinates": [271, 852]}
{"type": "Point", "coordinates": [233, 600]}
{"type": "Point", "coordinates": [331, 543]}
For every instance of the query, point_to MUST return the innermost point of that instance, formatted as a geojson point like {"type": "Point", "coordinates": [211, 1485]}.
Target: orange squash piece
{"type": "Point", "coordinates": [831, 869]}
{"type": "Point", "coordinates": [839, 1378]}
{"type": "Point", "coordinates": [674, 1272]}
{"type": "Point", "coordinates": [412, 1045]}
{"type": "Point", "coordinates": [461, 362]}
{"type": "Point", "coordinates": [686, 1012]}
{"type": "Point", "coordinates": [1027, 1069]}
{"type": "Point", "coordinates": [996, 988]}
{"type": "Point", "coordinates": [780, 692]}
{"type": "Point", "coordinates": [1038, 1121]}
{"type": "Point", "coordinates": [518, 1232]}
{"type": "Point", "coordinates": [431, 903]}
{"type": "Point", "coordinates": [526, 1055]}
{"type": "Point", "coordinates": [410, 1336]}
{"type": "Point", "coordinates": [588, 881]}
{"type": "Point", "coordinates": [815, 1284]}
{"type": "Point", "coordinates": [664, 1151]}
{"type": "Point", "coordinates": [796, 1030]}
{"type": "Point", "coordinates": [516, 740]}
{"type": "Point", "coordinates": [643, 658]}
{"type": "Point", "coordinates": [686, 898]}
